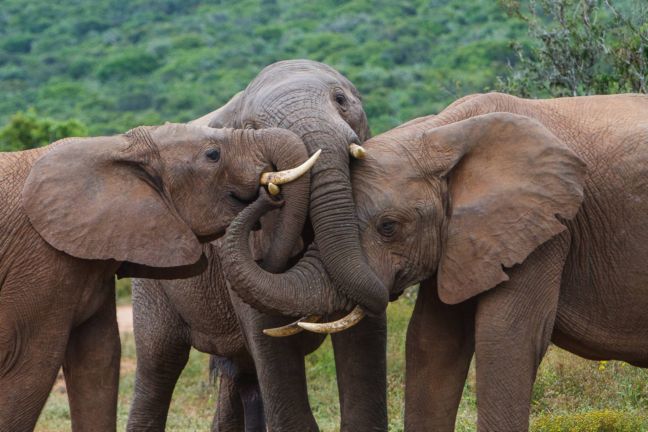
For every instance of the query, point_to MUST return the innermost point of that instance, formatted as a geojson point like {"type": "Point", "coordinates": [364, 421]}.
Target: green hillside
{"type": "Point", "coordinates": [114, 64]}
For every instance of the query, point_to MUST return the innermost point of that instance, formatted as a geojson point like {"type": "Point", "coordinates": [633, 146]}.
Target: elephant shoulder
{"type": "Point", "coordinates": [14, 170]}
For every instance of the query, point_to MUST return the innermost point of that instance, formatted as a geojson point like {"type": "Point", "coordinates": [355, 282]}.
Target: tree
{"type": "Point", "coordinates": [580, 47]}
{"type": "Point", "coordinates": [26, 130]}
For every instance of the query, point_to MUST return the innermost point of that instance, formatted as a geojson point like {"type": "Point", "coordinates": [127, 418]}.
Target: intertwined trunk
{"type": "Point", "coordinates": [302, 290]}
{"type": "Point", "coordinates": [306, 288]}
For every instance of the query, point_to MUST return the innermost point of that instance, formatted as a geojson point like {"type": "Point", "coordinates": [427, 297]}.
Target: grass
{"type": "Point", "coordinates": [571, 394]}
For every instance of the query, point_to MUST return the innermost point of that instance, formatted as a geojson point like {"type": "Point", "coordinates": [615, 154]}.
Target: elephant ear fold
{"type": "Point", "coordinates": [225, 116]}
{"type": "Point", "coordinates": [509, 179]}
{"type": "Point", "coordinates": [103, 198]}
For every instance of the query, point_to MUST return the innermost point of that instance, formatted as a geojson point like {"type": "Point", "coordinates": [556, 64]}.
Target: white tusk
{"type": "Point", "coordinates": [290, 329]}
{"type": "Point", "coordinates": [348, 321]}
{"type": "Point", "coordinates": [283, 177]}
{"type": "Point", "coordinates": [357, 151]}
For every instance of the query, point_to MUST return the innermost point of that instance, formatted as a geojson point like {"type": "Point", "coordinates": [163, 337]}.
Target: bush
{"type": "Point", "coordinates": [26, 130]}
{"type": "Point", "coordinates": [595, 421]}
{"type": "Point", "coordinates": [127, 64]}
{"type": "Point", "coordinates": [579, 47]}
{"type": "Point", "coordinates": [17, 44]}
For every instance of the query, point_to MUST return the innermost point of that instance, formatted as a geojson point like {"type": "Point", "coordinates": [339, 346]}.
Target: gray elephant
{"type": "Point", "coordinates": [525, 220]}
{"type": "Point", "coordinates": [323, 108]}
{"type": "Point", "coordinates": [81, 210]}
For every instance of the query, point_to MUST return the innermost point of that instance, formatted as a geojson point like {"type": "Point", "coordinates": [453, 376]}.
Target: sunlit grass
{"type": "Point", "coordinates": [571, 394]}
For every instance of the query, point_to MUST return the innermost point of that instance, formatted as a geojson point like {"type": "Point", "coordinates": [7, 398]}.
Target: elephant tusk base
{"type": "Point", "coordinates": [292, 328]}
{"type": "Point", "coordinates": [286, 176]}
{"type": "Point", "coordinates": [357, 151]}
{"type": "Point", "coordinates": [273, 189]}
{"type": "Point", "coordinates": [348, 321]}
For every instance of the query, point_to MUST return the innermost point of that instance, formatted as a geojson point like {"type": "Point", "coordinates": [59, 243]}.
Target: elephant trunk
{"type": "Point", "coordinates": [332, 209]}
{"type": "Point", "coordinates": [302, 290]}
{"type": "Point", "coordinates": [332, 213]}
{"type": "Point", "coordinates": [285, 152]}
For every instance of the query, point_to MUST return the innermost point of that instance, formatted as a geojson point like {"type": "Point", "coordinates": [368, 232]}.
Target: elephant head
{"type": "Point", "coordinates": [151, 196]}
{"type": "Point", "coordinates": [456, 199]}
{"type": "Point", "coordinates": [323, 108]}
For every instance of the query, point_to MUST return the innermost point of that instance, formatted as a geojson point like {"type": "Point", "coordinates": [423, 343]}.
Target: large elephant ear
{"type": "Point", "coordinates": [225, 116]}
{"type": "Point", "coordinates": [509, 179]}
{"type": "Point", "coordinates": [103, 198]}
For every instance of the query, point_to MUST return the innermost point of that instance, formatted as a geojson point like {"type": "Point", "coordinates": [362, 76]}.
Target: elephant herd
{"type": "Point", "coordinates": [255, 230]}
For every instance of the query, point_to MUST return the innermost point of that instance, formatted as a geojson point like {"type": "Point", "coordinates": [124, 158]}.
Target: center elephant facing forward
{"type": "Point", "coordinates": [325, 110]}
{"type": "Point", "coordinates": [525, 220]}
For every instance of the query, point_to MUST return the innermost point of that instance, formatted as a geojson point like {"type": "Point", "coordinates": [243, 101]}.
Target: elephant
{"type": "Point", "coordinates": [325, 110]}
{"type": "Point", "coordinates": [524, 221]}
{"type": "Point", "coordinates": [80, 211]}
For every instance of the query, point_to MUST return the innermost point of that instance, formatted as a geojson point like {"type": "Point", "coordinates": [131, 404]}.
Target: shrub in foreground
{"type": "Point", "coordinates": [594, 421]}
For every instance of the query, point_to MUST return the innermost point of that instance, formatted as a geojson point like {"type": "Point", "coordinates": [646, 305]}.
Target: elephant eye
{"type": "Point", "coordinates": [340, 99]}
{"type": "Point", "coordinates": [213, 155]}
{"type": "Point", "coordinates": [387, 228]}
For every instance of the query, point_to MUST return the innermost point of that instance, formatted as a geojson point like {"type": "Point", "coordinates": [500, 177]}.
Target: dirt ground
{"type": "Point", "coordinates": [125, 318]}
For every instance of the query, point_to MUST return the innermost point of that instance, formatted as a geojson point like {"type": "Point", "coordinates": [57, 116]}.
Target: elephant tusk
{"type": "Point", "coordinates": [335, 326]}
{"type": "Point", "coordinates": [283, 177]}
{"type": "Point", "coordinates": [357, 151]}
{"type": "Point", "coordinates": [292, 328]}
{"type": "Point", "coordinates": [273, 189]}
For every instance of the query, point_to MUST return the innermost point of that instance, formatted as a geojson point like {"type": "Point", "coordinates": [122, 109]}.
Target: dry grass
{"type": "Point", "coordinates": [571, 394]}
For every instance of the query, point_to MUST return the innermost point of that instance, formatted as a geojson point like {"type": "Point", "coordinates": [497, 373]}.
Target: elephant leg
{"type": "Point", "coordinates": [250, 394]}
{"type": "Point", "coordinates": [229, 407]}
{"type": "Point", "coordinates": [239, 406]}
{"type": "Point", "coordinates": [91, 369]}
{"type": "Point", "coordinates": [361, 365]}
{"type": "Point", "coordinates": [32, 348]}
{"type": "Point", "coordinates": [440, 345]}
{"type": "Point", "coordinates": [281, 371]}
{"type": "Point", "coordinates": [513, 326]}
{"type": "Point", "coordinates": [162, 347]}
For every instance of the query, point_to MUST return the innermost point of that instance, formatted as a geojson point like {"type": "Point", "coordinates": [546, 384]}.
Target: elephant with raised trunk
{"type": "Point", "coordinates": [526, 221]}
{"type": "Point", "coordinates": [325, 110]}
{"type": "Point", "coordinates": [81, 210]}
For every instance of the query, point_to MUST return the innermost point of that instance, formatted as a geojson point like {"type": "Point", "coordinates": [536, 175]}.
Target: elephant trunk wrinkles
{"type": "Point", "coordinates": [301, 290]}
{"type": "Point", "coordinates": [286, 155]}
{"type": "Point", "coordinates": [332, 209]}
{"type": "Point", "coordinates": [332, 212]}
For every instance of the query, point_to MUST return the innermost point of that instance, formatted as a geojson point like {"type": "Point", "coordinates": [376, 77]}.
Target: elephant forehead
{"type": "Point", "coordinates": [376, 194]}
{"type": "Point", "coordinates": [295, 68]}
{"type": "Point", "coordinates": [178, 136]}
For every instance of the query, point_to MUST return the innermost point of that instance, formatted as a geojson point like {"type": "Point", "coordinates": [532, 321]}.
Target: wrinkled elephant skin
{"type": "Point", "coordinates": [79, 211]}
{"type": "Point", "coordinates": [526, 222]}
{"type": "Point", "coordinates": [323, 108]}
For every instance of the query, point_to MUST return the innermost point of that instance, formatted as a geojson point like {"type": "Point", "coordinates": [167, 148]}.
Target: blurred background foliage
{"type": "Point", "coordinates": [113, 65]}
{"type": "Point", "coordinates": [579, 47]}
{"type": "Point", "coordinates": [27, 130]}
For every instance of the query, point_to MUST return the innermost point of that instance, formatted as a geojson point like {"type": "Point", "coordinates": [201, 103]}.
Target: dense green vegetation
{"type": "Point", "coordinates": [580, 47]}
{"type": "Point", "coordinates": [26, 130]}
{"type": "Point", "coordinates": [114, 65]}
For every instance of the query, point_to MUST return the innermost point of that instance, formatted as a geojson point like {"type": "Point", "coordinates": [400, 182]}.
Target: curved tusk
{"type": "Point", "coordinates": [348, 321]}
{"type": "Point", "coordinates": [292, 328]}
{"type": "Point", "coordinates": [357, 151]}
{"type": "Point", "coordinates": [283, 177]}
